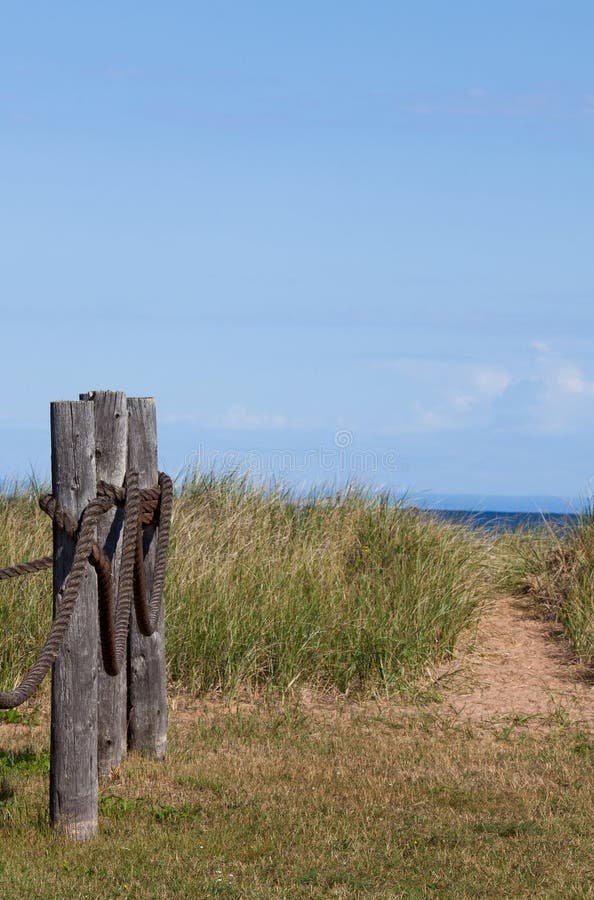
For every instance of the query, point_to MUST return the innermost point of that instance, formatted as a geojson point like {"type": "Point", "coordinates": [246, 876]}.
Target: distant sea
{"type": "Point", "coordinates": [506, 521]}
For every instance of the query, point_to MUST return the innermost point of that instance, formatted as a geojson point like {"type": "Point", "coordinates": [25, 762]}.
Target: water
{"type": "Point", "coordinates": [494, 521]}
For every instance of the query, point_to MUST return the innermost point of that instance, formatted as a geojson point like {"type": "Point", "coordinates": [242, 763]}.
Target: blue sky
{"type": "Point", "coordinates": [330, 238]}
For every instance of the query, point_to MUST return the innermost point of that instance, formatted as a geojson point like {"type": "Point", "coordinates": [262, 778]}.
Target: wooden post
{"type": "Point", "coordinates": [111, 451]}
{"type": "Point", "coordinates": [147, 693]}
{"type": "Point", "coordinates": [73, 755]}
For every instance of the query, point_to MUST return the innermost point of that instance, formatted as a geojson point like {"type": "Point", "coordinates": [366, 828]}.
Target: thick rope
{"type": "Point", "coordinates": [149, 507]}
{"type": "Point", "coordinates": [34, 565]}
{"type": "Point", "coordinates": [147, 612]}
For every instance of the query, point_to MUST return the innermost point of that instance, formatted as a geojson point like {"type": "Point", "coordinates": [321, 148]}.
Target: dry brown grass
{"type": "Point", "coordinates": [326, 800]}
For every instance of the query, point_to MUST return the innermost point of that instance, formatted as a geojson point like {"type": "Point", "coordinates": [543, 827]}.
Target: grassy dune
{"type": "Point", "coordinates": [350, 592]}
{"type": "Point", "coordinates": [321, 796]}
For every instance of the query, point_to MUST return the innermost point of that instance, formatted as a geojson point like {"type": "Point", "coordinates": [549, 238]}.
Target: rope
{"type": "Point", "coordinates": [152, 506]}
{"type": "Point", "coordinates": [34, 565]}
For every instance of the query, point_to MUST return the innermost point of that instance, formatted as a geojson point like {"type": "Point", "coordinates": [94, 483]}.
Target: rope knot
{"type": "Point", "coordinates": [151, 506]}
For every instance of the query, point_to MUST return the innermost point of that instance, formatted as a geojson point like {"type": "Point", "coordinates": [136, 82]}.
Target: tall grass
{"type": "Point", "coordinates": [25, 603]}
{"type": "Point", "coordinates": [350, 591]}
{"type": "Point", "coordinates": [557, 572]}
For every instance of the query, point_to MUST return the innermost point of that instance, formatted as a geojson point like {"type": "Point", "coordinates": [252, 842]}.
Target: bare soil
{"type": "Point", "coordinates": [517, 668]}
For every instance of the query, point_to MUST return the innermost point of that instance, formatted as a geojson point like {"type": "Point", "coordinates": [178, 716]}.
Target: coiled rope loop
{"type": "Point", "coordinates": [152, 506]}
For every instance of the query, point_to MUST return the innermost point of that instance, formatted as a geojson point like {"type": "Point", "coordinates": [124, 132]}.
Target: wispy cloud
{"type": "Point", "coordinates": [572, 381]}
{"type": "Point", "coordinates": [540, 346]}
{"type": "Point", "coordinates": [491, 381]}
{"type": "Point", "coordinates": [565, 395]}
{"type": "Point", "coordinates": [451, 394]}
{"type": "Point", "coordinates": [543, 393]}
{"type": "Point", "coordinates": [239, 417]}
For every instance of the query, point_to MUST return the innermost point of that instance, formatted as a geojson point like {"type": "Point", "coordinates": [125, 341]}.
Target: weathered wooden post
{"type": "Point", "coordinates": [147, 689]}
{"type": "Point", "coordinates": [111, 452]}
{"type": "Point", "coordinates": [101, 437]}
{"type": "Point", "coordinates": [73, 757]}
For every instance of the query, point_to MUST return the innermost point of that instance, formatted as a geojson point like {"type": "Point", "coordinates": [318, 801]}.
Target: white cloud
{"type": "Point", "coordinates": [542, 394]}
{"type": "Point", "coordinates": [453, 394]}
{"type": "Point", "coordinates": [431, 420]}
{"type": "Point", "coordinates": [236, 417]}
{"type": "Point", "coordinates": [239, 417]}
{"type": "Point", "coordinates": [541, 346]}
{"type": "Point", "coordinates": [571, 381]}
{"type": "Point", "coordinates": [564, 395]}
{"type": "Point", "coordinates": [463, 401]}
{"type": "Point", "coordinates": [492, 382]}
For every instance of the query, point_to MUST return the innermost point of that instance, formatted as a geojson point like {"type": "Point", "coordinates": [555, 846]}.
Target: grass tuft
{"type": "Point", "coordinates": [556, 572]}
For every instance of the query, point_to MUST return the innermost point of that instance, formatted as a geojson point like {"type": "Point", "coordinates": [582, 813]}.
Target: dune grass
{"type": "Point", "coordinates": [25, 603]}
{"type": "Point", "coordinates": [349, 591]}
{"type": "Point", "coordinates": [555, 570]}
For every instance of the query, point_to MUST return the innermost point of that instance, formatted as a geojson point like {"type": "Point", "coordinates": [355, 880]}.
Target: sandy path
{"type": "Point", "coordinates": [518, 667]}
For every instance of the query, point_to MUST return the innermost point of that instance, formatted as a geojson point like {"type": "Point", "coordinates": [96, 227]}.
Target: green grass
{"type": "Point", "coordinates": [26, 602]}
{"type": "Point", "coordinates": [347, 592]}
{"type": "Point", "coordinates": [556, 572]}
{"type": "Point", "coordinates": [350, 592]}
{"type": "Point", "coordinates": [281, 802]}
{"type": "Point", "coordinates": [329, 798]}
